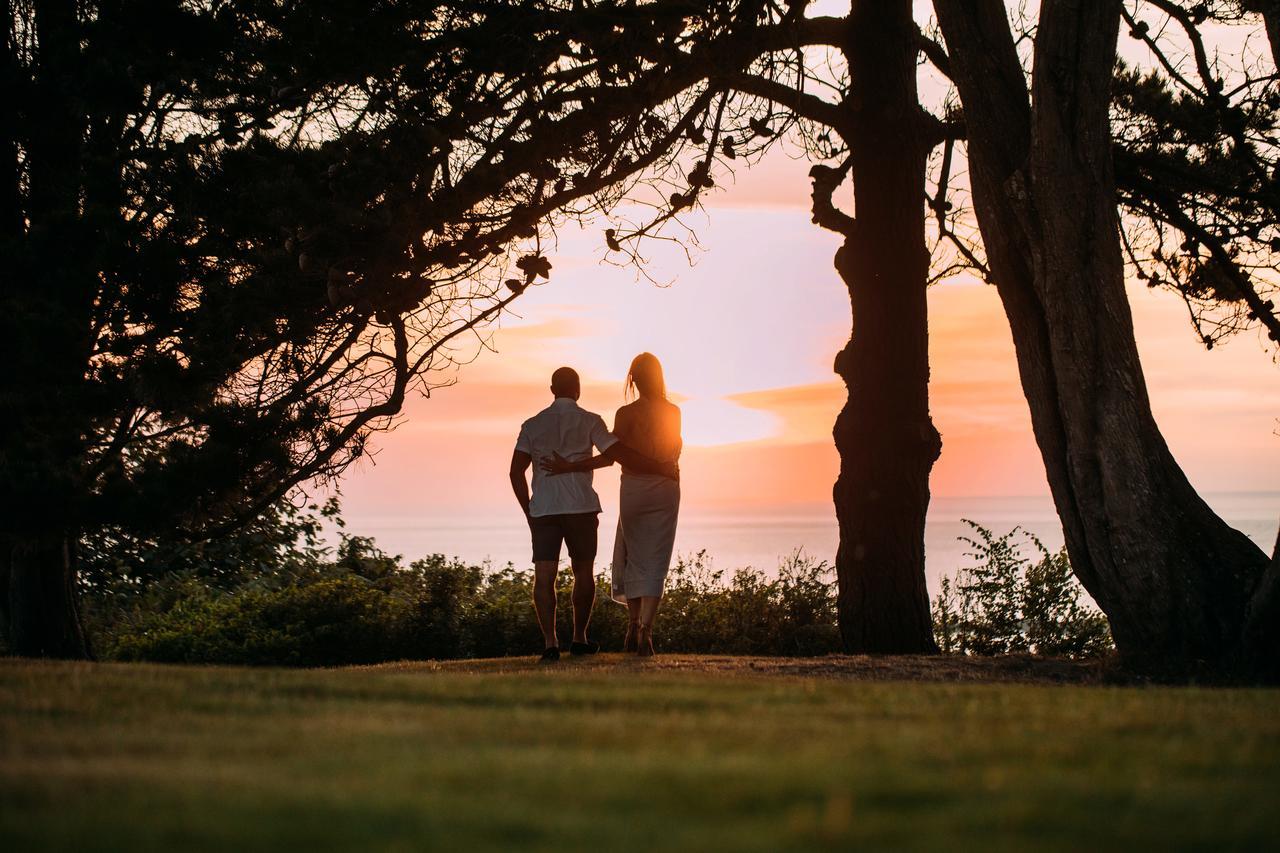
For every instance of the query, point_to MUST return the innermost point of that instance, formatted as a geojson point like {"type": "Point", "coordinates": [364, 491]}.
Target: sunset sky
{"type": "Point", "coordinates": [747, 335]}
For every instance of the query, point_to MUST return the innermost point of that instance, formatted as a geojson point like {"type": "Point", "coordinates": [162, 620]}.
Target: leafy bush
{"type": "Point", "coordinates": [126, 576]}
{"type": "Point", "coordinates": [330, 621]}
{"type": "Point", "coordinates": [1008, 602]}
{"type": "Point", "coordinates": [273, 593]}
{"type": "Point", "coordinates": [793, 614]}
{"type": "Point", "coordinates": [366, 606]}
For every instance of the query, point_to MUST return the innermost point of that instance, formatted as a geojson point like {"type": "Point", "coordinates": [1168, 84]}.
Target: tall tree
{"type": "Point", "coordinates": [238, 237]}
{"type": "Point", "coordinates": [886, 438]}
{"type": "Point", "coordinates": [1176, 582]}
{"type": "Point", "coordinates": [1197, 152]}
{"type": "Point", "coordinates": [864, 122]}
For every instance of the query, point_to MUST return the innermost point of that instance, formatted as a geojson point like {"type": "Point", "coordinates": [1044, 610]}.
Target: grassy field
{"type": "Point", "coordinates": [691, 754]}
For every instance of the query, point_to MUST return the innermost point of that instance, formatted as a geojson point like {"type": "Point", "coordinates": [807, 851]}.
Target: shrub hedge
{"type": "Point", "coordinates": [438, 608]}
{"type": "Point", "coordinates": [275, 594]}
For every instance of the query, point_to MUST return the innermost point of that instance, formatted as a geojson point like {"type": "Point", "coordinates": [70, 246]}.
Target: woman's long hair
{"type": "Point", "coordinates": [645, 377]}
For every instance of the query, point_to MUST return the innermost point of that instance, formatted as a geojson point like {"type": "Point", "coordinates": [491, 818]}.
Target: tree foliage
{"type": "Point", "coordinates": [240, 236]}
{"type": "Point", "coordinates": [1197, 149]}
{"type": "Point", "coordinates": [264, 232]}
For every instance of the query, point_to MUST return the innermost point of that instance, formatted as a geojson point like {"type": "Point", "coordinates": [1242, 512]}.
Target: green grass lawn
{"type": "Point", "coordinates": [617, 755]}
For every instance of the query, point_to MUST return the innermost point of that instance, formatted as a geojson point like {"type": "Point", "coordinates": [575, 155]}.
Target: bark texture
{"type": "Point", "coordinates": [1173, 578]}
{"type": "Point", "coordinates": [886, 439]}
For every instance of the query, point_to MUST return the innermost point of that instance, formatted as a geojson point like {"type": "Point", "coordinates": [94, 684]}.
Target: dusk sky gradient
{"type": "Point", "coordinates": [747, 335]}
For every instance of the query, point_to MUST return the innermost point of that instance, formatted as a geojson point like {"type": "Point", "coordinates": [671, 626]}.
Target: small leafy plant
{"type": "Point", "coordinates": [1008, 602]}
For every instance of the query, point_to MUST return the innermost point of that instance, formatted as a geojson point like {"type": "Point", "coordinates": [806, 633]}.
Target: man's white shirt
{"type": "Point", "coordinates": [566, 428]}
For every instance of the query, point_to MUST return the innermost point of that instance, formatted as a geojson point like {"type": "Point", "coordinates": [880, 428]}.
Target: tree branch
{"type": "Point", "coordinates": [801, 103]}
{"type": "Point", "coordinates": [825, 213]}
{"type": "Point", "coordinates": [935, 53]}
{"type": "Point", "coordinates": [1173, 213]}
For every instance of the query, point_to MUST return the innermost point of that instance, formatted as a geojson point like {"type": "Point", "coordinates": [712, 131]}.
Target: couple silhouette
{"type": "Point", "coordinates": [564, 507]}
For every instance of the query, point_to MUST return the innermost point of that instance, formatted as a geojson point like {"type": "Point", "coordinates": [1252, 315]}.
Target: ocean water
{"type": "Point", "coordinates": [762, 539]}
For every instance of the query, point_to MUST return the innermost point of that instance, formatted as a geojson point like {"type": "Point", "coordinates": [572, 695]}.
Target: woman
{"type": "Point", "coordinates": [649, 503]}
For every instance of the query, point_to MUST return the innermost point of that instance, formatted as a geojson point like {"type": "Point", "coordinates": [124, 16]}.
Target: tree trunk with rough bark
{"type": "Point", "coordinates": [1172, 577]}
{"type": "Point", "coordinates": [45, 309]}
{"type": "Point", "coordinates": [44, 613]}
{"type": "Point", "coordinates": [886, 439]}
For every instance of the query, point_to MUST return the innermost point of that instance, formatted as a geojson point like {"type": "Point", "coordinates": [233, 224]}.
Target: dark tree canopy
{"type": "Point", "coordinates": [1197, 149]}
{"type": "Point", "coordinates": [240, 233]}
{"type": "Point", "coordinates": [1195, 121]}
{"type": "Point", "coordinates": [266, 232]}
{"type": "Point", "coordinates": [239, 236]}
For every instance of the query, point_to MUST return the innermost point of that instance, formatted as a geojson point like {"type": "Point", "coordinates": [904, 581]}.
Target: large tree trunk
{"type": "Point", "coordinates": [1173, 578]}
{"type": "Point", "coordinates": [46, 305]}
{"type": "Point", "coordinates": [1262, 631]}
{"type": "Point", "coordinates": [43, 613]}
{"type": "Point", "coordinates": [886, 440]}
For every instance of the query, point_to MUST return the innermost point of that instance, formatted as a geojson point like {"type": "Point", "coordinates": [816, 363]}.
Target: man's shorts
{"type": "Point", "coordinates": [576, 530]}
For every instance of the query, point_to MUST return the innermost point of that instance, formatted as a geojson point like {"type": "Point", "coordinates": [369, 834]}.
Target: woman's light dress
{"type": "Point", "coordinates": [649, 505]}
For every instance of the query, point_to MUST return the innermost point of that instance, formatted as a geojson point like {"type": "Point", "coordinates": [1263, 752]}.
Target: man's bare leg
{"type": "Point", "coordinates": [633, 625]}
{"type": "Point", "coordinates": [544, 600]}
{"type": "Point", "coordinates": [584, 597]}
{"type": "Point", "coordinates": [644, 633]}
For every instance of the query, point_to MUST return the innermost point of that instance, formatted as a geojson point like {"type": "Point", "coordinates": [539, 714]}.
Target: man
{"type": "Point", "coordinates": [566, 508]}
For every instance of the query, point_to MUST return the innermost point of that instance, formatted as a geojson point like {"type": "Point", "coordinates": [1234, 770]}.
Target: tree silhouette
{"type": "Point", "coordinates": [1196, 156]}
{"type": "Point", "coordinates": [1180, 587]}
{"type": "Point", "coordinates": [845, 89]}
{"type": "Point", "coordinates": [239, 236]}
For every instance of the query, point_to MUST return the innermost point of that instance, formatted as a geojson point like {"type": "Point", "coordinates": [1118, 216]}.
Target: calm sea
{"type": "Point", "coordinates": [761, 539]}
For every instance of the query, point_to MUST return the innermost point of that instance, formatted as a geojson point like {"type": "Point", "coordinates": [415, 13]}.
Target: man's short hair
{"type": "Point", "coordinates": [565, 382]}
